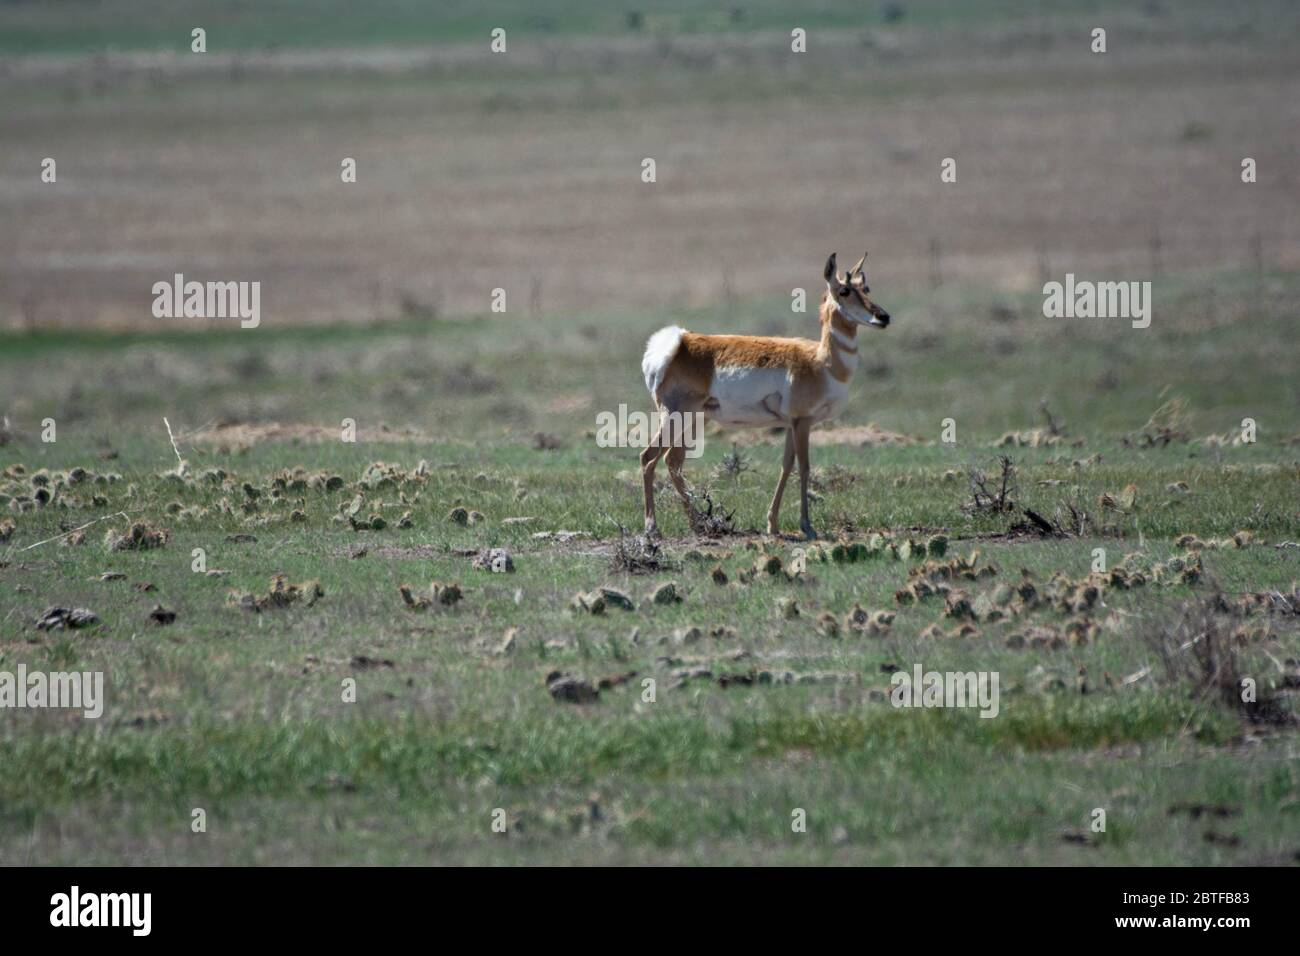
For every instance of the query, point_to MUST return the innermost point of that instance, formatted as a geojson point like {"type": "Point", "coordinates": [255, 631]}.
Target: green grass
{"type": "Point", "coordinates": [78, 27]}
{"type": "Point", "coordinates": [984, 360]}
{"type": "Point", "coordinates": [241, 714]}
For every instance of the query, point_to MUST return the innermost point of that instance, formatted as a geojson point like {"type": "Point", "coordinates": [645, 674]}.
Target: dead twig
{"type": "Point", "coordinates": [64, 534]}
{"type": "Point", "coordinates": [998, 499]}
{"type": "Point", "coordinates": [635, 554]}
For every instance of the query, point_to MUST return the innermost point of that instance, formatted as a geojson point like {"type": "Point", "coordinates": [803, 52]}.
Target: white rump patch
{"type": "Point", "coordinates": [659, 352]}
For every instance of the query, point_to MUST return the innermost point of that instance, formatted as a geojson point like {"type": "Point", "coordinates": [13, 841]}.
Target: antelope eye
{"type": "Point", "coordinates": [866, 288]}
{"type": "Point", "coordinates": [844, 291]}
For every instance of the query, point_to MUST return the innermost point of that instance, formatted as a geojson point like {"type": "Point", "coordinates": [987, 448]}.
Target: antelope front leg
{"type": "Point", "coordinates": [773, 512]}
{"type": "Point", "coordinates": [801, 429]}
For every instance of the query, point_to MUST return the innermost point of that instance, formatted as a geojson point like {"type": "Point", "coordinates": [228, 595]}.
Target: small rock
{"type": "Point", "coordinates": [447, 594]}
{"type": "Point", "coordinates": [562, 537]}
{"type": "Point", "coordinates": [363, 663]}
{"type": "Point", "coordinates": [857, 617]}
{"type": "Point", "coordinates": [409, 598]}
{"type": "Point", "coordinates": [160, 615]}
{"type": "Point", "coordinates": [613, 597]}
{"type": "Point", "coordinates": [570, 690]}
{"type": "Point", "coordinates": [666, 593]}
{"type": "Point", "coordinates": [592, 603]}
{"type": "Point", "coordinates": [615, 680]}
{"type": "Point", "coordinates": [495, 559]}
{"type": "Point", "coordinates": [60, 618]}
{"type": "Point", "coordinates": [139, 537]}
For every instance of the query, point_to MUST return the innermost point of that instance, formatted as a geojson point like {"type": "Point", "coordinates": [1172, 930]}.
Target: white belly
{"type": "Point", "coordinates": [750, 397]}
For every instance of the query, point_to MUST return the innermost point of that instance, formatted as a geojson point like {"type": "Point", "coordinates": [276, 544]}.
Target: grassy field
{"type": "Point", "coordinates": [82, 26]}
{"type": "Point", "coordinates": [240, 712]}
{"type": "Point", "coordinates": [340, 721]}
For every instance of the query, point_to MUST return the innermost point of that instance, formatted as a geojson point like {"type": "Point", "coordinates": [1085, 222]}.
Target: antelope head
{"type": "Point", "coordinates": [850, 292]}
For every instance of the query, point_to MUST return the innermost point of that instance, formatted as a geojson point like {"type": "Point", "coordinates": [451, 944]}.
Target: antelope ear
{"type": "Point", "coordinates": [829, 272]}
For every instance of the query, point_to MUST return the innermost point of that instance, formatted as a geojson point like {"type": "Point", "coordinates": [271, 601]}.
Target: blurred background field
{"type": "Point", "coordinates": [522, 170]}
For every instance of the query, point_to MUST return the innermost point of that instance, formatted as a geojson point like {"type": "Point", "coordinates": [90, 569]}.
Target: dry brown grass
{"type": "Point", "coordinates": [526, 176]}
{"type": "Point", "coordinates": [236, 436]}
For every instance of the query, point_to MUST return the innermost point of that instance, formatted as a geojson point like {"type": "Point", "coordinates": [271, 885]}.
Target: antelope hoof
{"type": "Point", "coordinates": [808, 531]}
{"type": "Point", "coordinates": [652, 529]}
{"type": "Point", "coordinates": [772, 528]}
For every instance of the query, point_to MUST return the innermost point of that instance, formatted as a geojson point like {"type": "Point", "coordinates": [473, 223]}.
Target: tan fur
{"type": "Point", "coordinates": [813, 369]}
{"type": "Point", "coordinates": [690, 374]}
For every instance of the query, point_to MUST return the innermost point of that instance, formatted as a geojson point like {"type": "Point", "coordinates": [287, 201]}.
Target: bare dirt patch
{"type": "Point", "coordinates": [868, 435]}
{"type": "Point", "coordinates": [234, 436]}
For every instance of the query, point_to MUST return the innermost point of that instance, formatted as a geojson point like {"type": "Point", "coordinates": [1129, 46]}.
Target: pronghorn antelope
{"type": "Point", "coordinates": [754, 381]}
